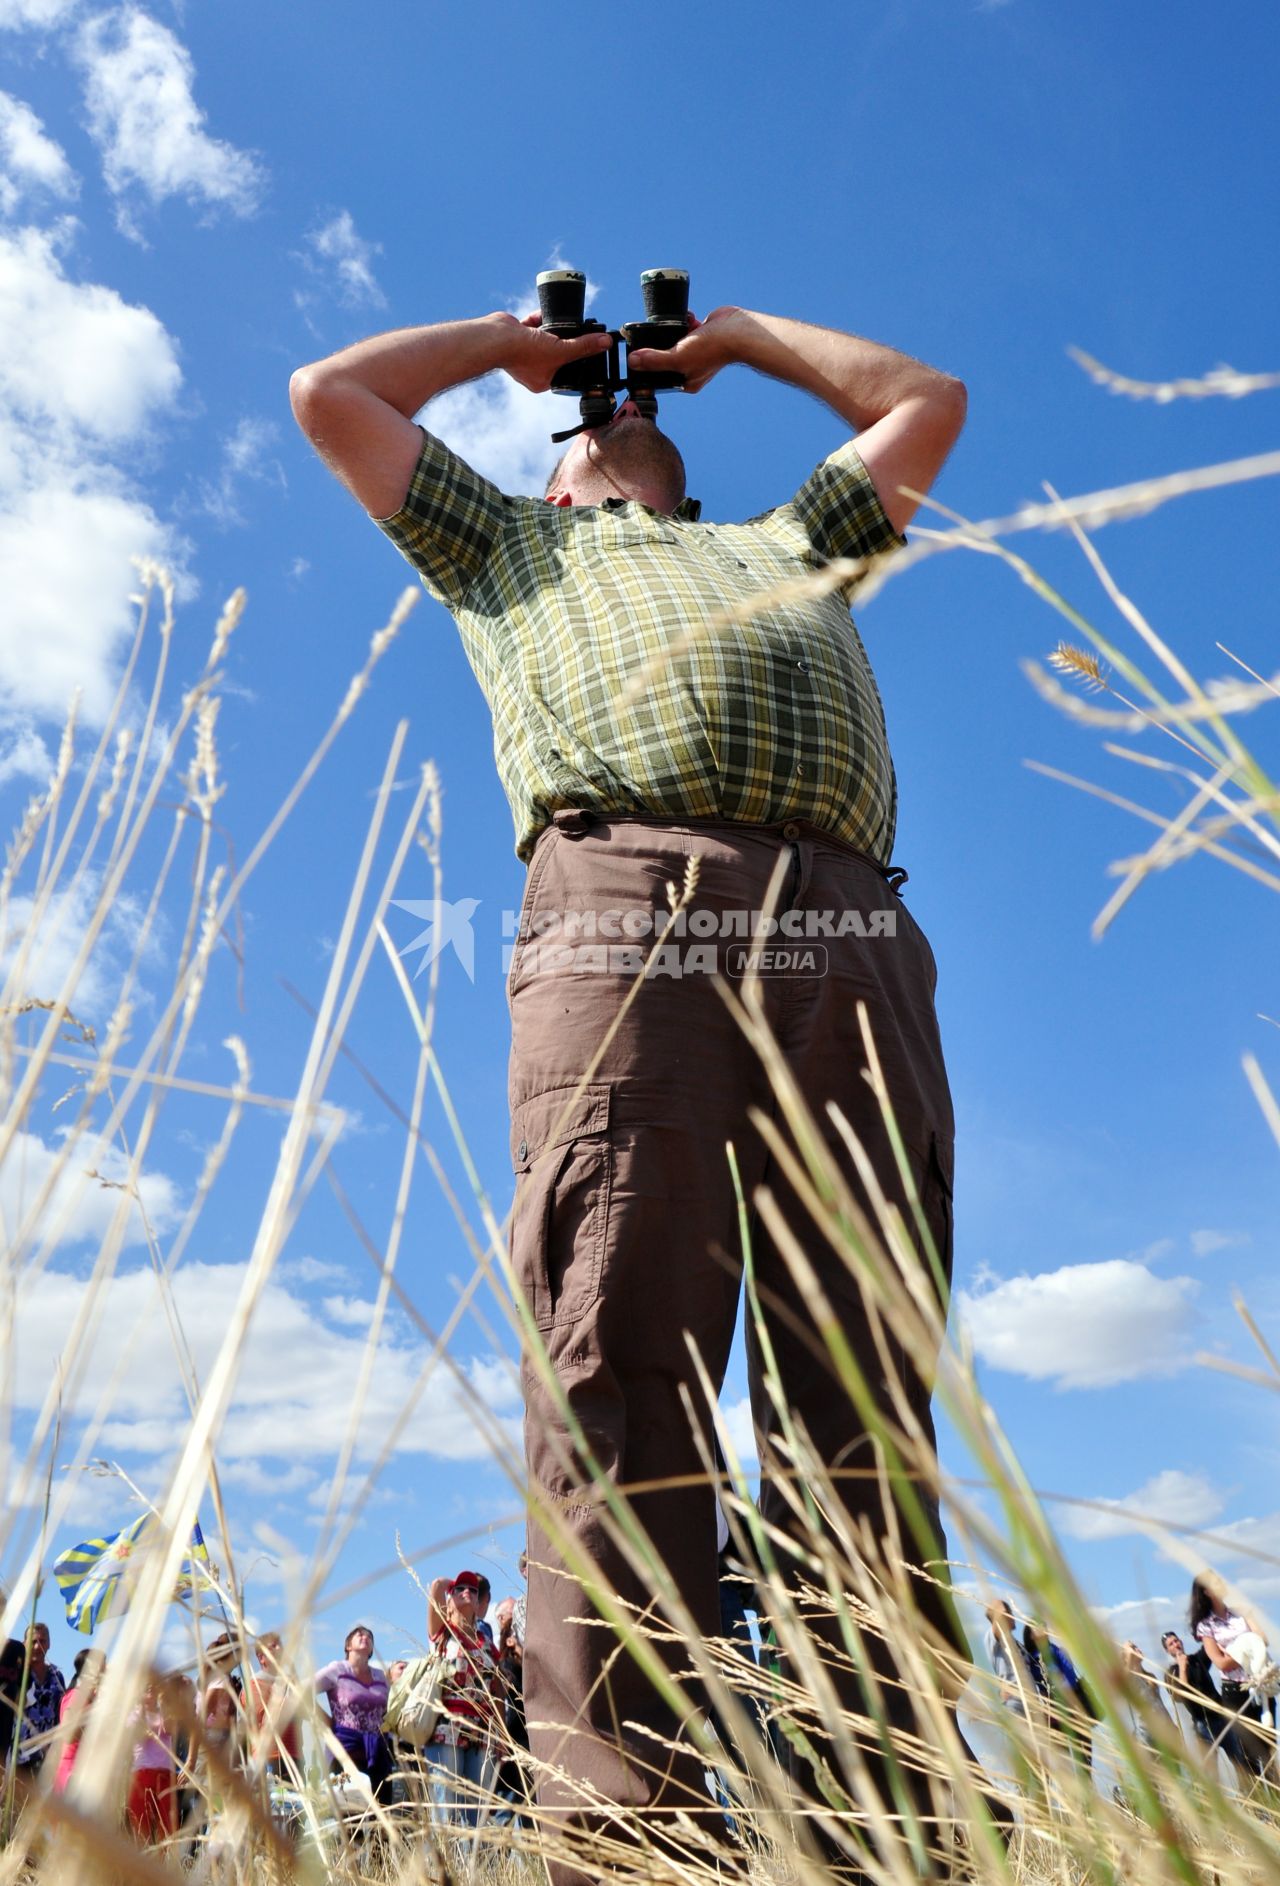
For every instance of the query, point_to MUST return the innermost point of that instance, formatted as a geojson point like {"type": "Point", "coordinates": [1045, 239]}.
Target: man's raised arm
{"type": "Point", "coordinates": [357, 406]}
{"type": "Point", "coordinates": [907, 416]}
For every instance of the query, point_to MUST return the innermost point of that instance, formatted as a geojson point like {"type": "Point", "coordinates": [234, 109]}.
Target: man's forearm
{"type": "Point", "coordinates": [357, 406]}
{"type": "Point", "coordinates": [859, 379]}
{"type": "Point", "coordinates": [409, 366]}
{"type": "Point", "coordinates": [907, 416]}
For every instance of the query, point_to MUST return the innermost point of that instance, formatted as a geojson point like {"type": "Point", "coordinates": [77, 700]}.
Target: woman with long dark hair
{"type": "Point", "coordinates": [1238, 1651]}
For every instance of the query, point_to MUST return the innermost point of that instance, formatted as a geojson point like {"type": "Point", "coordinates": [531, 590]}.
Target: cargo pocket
{"type": "Point", "coordinates": [563, 1162]}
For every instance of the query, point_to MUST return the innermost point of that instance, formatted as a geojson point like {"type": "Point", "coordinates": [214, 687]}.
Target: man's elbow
{"type": "Point", "coordinates": [307, 398]}
{"type": "Point", "coordinates": [951, 398]}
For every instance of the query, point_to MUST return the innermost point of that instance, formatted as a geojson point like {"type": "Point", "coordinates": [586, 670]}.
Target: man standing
{"type": "Point", "coordinates": [45, 1689]}
{"type": "Point", "coordinates": [637, 727]}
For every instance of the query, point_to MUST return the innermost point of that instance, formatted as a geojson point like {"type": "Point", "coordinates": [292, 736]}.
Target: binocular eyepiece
{"type": "Point", "coordinates": [562, 301]}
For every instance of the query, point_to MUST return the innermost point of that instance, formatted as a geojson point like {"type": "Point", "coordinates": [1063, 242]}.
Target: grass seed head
{"type": "Point", "coordinates": [1078, 662]}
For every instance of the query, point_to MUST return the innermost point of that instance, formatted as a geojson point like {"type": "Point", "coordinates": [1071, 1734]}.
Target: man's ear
{"type": "Point", "coordinates": [560, 498]}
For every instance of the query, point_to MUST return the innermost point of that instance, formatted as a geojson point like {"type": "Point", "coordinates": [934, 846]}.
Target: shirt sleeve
{"type": "Point", "coordinates": [327, 1679]}
{"type": "Point", "coordinates": [449, 522]}
{"type": "Point", "coordinates": [839, 509]}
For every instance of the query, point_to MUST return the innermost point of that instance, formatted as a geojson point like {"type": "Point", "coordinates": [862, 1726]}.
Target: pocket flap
{"type": "Point", "coordinates": [556, 1116]}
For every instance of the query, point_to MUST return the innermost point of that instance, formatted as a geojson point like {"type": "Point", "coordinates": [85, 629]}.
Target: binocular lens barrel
{"type": "Point", "coordinates": [666, 294]}
{"type": "Point", "coordinates": [562, 297]}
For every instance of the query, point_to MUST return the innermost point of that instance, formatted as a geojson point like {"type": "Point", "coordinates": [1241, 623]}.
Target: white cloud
{"type": "Point", "coordinates": [144, 118]}
{"type": "Point", "coordinates": [310, 1270]}
{"type": "Point", "coordinates": [247, 458]}
{"type": "Point", "coordinates": [35, 13]}
{"type": "Point", "coordinates": [1084, 1326]}
{"type": "Point", "coordinates": [351, 1312]}
{"type": "Point", "coordinates": [1257, 1537]}
{"type": "Point", "coordinates": [250, 1476]}
{"type": "Point", "coordinates": [297, 1370]}
{"type": "Point", "coordinates": [23, 754]}
{"type": "Point", "coordinates": [66, 572]}
{"type": "Point", "coordinates": [339, 253]}
{"type": "Point", "coordinates": [1205, 1243]}
{"type": "Point", "coordinates": [502, 430]}
{"type": "Point", "coordinates": [83, 377]}
{"type": "Point", "coordinates": [29, 159]}
{"type": "Point", "coordinates": [37, 954]}
{"type": "Point", "coordinates": [80, 1208]}
{"type": "Point", "coordinates": [354, 1491]}
{"type": "Point", "coordinates": [740, 1428]}
{"type": "Point", "coordinates": [77, 358]}
{"type": "Point", "coordinates": [1145, 1621]}
{"type": "Point", "coordinates": [1171, 1498]}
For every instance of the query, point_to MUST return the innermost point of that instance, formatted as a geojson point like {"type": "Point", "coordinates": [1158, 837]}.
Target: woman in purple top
{"type": "Point", "coordinates": [357, 1695]}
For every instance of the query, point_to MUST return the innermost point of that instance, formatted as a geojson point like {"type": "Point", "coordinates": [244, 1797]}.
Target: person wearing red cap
{"type": "Point", "coordinates": [461, 1751]}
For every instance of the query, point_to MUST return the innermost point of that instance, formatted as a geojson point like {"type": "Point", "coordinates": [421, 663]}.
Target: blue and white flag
{"type": "Point", "coordinates": [96, 1578]}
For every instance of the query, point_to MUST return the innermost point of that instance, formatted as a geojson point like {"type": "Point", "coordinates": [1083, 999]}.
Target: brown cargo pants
{"type": "Point", "coordinates": [625, 1235]}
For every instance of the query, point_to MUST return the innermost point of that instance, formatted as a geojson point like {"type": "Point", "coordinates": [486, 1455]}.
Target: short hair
{"type": "Point", "coordinates": [355, 1628]}
{"type": "Point", "coordinates": [484, 1589]}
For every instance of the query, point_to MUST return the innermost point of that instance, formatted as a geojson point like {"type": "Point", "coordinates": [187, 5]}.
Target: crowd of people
{"type": "Point", "coordinates": [470, 1768]}
{"type": "Point", "coordinates": [1224, 1689]}
{"type": "Point", "coordinates": [192, 1738]}
{"type": "Point", "coordinates": [187, 1734]}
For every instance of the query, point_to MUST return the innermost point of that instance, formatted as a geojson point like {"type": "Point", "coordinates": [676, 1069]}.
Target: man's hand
{"type": "Point", "coordinates": [708, 346]}
{"type": "Point", "coordinates": [536, 357]}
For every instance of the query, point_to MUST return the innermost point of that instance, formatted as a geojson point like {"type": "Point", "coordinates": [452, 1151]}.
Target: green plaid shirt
{"type": "Point", "coordinates": [775, 718]}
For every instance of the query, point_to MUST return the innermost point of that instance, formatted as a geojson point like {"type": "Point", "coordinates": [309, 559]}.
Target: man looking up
{"type": "Point", "coordinates": [750, 741]}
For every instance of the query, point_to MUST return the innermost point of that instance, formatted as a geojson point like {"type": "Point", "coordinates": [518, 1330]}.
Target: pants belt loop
{"type": "Point", "coordinates": [573, 820]}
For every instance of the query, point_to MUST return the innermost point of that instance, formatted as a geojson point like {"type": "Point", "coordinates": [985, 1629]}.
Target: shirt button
{"type": "Point", "coordinates": [802, 667]}
{"type": "Point", "coordinates": [791, 829]}
{"type": "Point", "coordinates": [523, 1153]}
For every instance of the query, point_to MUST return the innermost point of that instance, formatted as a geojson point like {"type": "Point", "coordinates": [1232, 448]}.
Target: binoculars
{"type": "Point", "coordinates": [562, 301]}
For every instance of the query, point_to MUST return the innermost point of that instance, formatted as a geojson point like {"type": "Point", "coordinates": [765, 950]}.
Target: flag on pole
{"type": "Point", "coordinates": [195, 1575]}
{"type": "Point", "coordinates": [94, 1578]}
{"type": "Point", "coordinates": [91, 1576]}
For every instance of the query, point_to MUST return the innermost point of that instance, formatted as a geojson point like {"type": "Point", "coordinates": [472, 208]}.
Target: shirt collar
{"type": "Point", "coordinates": [688, 511]}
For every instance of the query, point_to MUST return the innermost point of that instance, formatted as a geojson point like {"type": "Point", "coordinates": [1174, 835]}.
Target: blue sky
{"type": "Point", "coordinates": [197, 199]}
